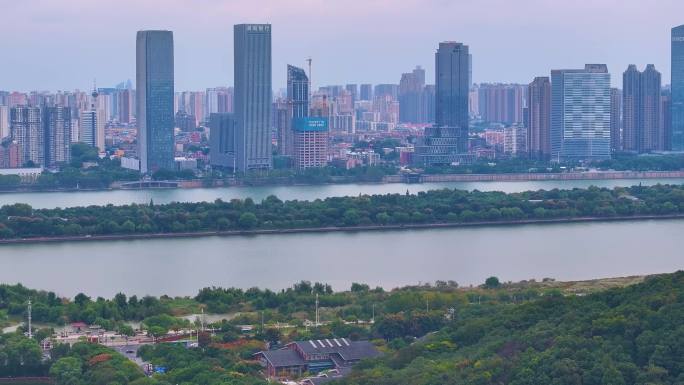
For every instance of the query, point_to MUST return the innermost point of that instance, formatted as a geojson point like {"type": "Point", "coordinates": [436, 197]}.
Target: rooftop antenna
{"type": "Point", "coordinates": [94, 94]}
{"type": "Point", "coordinates": [308, 60]}
{"type": "Point", "coordinates": [30, 333]}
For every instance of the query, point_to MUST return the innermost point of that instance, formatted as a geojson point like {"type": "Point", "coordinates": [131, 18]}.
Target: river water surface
{"type": "Point", "coordinates": [569, 251]}
{"type": "Point", "coordinates": [120, 197]}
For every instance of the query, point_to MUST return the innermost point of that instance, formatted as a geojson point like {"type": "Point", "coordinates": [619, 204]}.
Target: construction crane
{"type": "Point", "coordinates": [308, 60]}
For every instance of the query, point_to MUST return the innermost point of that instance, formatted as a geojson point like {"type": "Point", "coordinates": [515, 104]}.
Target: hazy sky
{"type": "Point", "coordinates": [64, 44]}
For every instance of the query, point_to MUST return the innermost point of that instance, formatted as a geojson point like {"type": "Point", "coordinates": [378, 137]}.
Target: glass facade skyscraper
{"type": "Point", "coordinates": [296, 106]}
{"type": "Point", "coordinates": [677, 106]}
{"type": "Point", "coordinates": [580, 114]}
{"type": "Point", "coordinates": [452, 64]}
{"type": "Point", "coordinates": [298, 91]}
{"type": "Point", "coordinates": [154, 87]}
{"type": "Point", "coordinates": [253, 96]}
{"type": "Point", "coordinates": [222, 139]}
{"type": "Point", "coordinates": [447, 141]}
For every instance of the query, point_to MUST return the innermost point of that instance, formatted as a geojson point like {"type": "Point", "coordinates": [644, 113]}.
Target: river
{"type": "Point", "coordinates": [120, 197]}
{"type": "Point", "coordinates": [569, 251]}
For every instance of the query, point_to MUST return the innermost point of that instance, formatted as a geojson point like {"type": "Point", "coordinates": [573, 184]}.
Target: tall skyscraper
{"type": "Point", "coordinates": [297, 106]}
{"type": "Point", "coordinates": [631, 94]}
{"type": "Point", "coordinates": [580, 113]}
{"type": "Point", "coordinates": [411, 94]}
{"type": "Point", "coordinates": [253, 96]}
{"type": "Point", "coordinates": [451, 81]}
{"type": "Point", "coordinates": [615, 120]}
{"type": "Point", "coordinates": [57, 131]}
{"type": "Point", "coordinates": [642, 131]}
{"type": "Point", "coordinates": [447, 141]}
{"type": "Point", "coordinates": [27, 131]}
{"type": "Point", "coordinates": [539, 118]}
{"type": "Point", "coordinates": [653, 134]}
{"type": "Point", "coordinates": [154, 100]}
{"type": "Point", "coordinates": [677, 107]}
{"type": "Point", "coordinates": [298, 91]}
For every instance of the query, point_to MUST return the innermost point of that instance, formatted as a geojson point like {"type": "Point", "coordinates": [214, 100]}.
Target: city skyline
{"type": "Point", "coordinates": [204, 44]}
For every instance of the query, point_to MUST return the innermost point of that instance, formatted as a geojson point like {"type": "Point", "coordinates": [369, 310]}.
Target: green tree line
{"type": "Point", "coordinates": [431, 207]}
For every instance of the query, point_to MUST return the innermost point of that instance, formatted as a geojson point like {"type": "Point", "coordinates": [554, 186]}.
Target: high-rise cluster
{"type": "Point", "coordinates": [573, 115]}
{"type": "Point", "coordinates": [42, 135]}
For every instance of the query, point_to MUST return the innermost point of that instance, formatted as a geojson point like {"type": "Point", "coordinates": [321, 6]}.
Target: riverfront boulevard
{"type": "Point", "coordinates": [569, 251]}
{"type": "Point", "coordinates": [41, 200]}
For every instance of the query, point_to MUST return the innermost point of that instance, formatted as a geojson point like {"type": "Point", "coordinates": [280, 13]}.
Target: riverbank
{"type": "Point", "coordinates": [387, 179]}
{"type": "Point", "coordinates": [331, 229]}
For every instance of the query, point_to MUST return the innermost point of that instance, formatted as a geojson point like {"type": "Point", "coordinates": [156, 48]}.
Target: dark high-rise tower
{"type": "Point", "coordinates": [222, 140]}
{"type": "Point", "coordinates": [154, 87]}
{"type": "Point", "coordinates": [451, 82]}
{"type": "Point", "coordinates": [642, 131]}
{"type": "Point", "coordinates": [447, 141]}
{"type": "Point", "coordinates": [253, 96]}
{"type": "Point", "coordinates": [631, 80]}
{"type": "Point", "coordinates": [677, 106]}
{"type": "Point", "coordinates": [296, 106]}
{"type": "Point", "coordinates": [539, 118]}
{"type": "Point", "coordinates": [652, 134]}
{"type": "Point", "coordinates": [298, 91]}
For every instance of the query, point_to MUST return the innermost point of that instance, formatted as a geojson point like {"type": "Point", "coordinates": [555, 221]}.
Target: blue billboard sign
{"type": "Point", "coordinates": [310, 124]}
